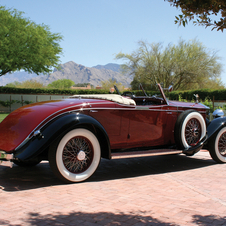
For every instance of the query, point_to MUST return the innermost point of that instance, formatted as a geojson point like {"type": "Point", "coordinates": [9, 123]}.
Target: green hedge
{"type": "Point", "coordinates": [10, 90]}
{"type": "Point", "coordinates": [175, 95]}
{"type": "Point", "coordinates": [218, 95]}
{"type": "Point", "coordinates": [203, 94]}
{"type": "Point", "coordinates": [149, 93]}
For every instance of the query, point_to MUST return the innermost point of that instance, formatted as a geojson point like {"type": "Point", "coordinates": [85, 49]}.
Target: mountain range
{"type": "Point", "coordinates": [75, 72]}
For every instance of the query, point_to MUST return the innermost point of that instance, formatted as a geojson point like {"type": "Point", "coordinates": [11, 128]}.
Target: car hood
{"type": "Point", "coordinates": [189, 105]}
{"type": "Point", "coordinates": [19, 124]}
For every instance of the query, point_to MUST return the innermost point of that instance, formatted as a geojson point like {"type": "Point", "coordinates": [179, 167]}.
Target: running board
{"type": "Point", "coordinates": [136, 154]}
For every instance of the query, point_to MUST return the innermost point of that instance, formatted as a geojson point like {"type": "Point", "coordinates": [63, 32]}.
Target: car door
{"type": "Point", "coordinates": [151, 126]}
{"type": "Point", "coordinates": [145, 126]}
{"type": "Point", "coordinates": [112, 121]}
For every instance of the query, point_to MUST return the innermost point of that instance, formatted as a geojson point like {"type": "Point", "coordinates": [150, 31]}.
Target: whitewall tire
{"type": "Point", "coordinates": [190, 128]}
{"type": "Point", "coordinates": [76, 156]}
{"type": "Point", "coordinates": [217, 146]}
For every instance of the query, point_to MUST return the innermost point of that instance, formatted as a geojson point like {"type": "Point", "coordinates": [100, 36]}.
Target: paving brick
{"type": "Point", "coordinates": [161, 190]}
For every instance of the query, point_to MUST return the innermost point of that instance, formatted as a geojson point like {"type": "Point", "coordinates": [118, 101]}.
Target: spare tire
{"type": "Point", "coordinates": [190, 128]}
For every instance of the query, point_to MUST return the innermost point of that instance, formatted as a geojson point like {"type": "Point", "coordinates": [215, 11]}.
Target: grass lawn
{"type": "Point", "coordinates": [2, 116]}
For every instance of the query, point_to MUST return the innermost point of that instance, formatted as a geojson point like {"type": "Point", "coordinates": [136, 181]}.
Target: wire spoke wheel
{"type": "Point", "coordinates": [78, 154]}
{"type": "Point", "coordinates": [190, 129]}
{"type": "Point", "coordinates": [193, 132]}
{"type": "Point", "coordinates": [222, 144]}
{"type": "Point", "coordinates": [75, 156]}
{"type": "Point", "coordinates": [217, 146]}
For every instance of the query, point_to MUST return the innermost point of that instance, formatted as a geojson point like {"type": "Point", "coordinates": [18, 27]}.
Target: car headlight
{"type": "Point", "coordinates": [218, 113]}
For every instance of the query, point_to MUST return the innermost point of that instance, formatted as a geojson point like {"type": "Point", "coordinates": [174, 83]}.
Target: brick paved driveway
{"type": "Point", "coordinates": [163, 190]}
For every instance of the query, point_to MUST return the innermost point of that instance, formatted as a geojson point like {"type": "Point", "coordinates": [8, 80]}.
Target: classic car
{"type": "Point", "coordinates": [74, 134]}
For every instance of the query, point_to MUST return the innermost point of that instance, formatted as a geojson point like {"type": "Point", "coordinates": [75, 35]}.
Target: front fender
{"type": "Point", "coordinates": [214, 126]}
{"type": "Point", "coordinates": [57, 127]}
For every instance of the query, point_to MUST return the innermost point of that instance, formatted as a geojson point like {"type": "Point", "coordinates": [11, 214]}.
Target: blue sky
{"type": "Point", "coordinates": [95, 30]}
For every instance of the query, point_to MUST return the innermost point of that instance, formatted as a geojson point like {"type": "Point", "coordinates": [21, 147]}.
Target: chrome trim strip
{"type": "Point", "coordinates": [142, 108]}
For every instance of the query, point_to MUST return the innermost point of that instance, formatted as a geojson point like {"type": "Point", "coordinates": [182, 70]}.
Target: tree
{"type": "Point", "coordinates": [81, 85]}
{"type": "Point", "coordinates": [15, 84]}
{"type": "Point", "coordinates": [61, 84]}
{"type": "Point", "coordinates": [186, 66]}
{"type": "Point", "coordinates": [26, 84]}
{"type": "Point", "coordinates": [26, 45]}
{"type": "Point", "coordinates": [202, 12]}
{"type": "Point", "coordinates": [108, 84]}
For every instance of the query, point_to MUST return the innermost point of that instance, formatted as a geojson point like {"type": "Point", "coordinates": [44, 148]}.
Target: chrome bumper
{"type": "Point", "coordinates": [6, 159]}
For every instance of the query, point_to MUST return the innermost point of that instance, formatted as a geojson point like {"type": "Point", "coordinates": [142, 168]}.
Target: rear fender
{"type": "Point", "coordinates": [43, 138]}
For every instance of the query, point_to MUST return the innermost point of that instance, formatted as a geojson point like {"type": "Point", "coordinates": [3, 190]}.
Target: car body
{"type": "Point", "coordinates": [73, 134]}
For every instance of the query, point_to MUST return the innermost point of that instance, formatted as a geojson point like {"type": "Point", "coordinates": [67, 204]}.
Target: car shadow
{"type": "Point", "coordinates": [135, 167]}
{"type": "Point", "coordinates": [20, 178]}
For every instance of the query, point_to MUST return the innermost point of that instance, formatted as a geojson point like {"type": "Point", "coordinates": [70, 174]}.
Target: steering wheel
{"type": "Point", "coordinates": [128, 93]}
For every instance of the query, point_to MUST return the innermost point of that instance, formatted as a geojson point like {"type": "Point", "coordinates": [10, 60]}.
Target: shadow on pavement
{"type": "Point", "coordinates": [208, 220]}
{"type": "Point", "coordinates": [19, 178]}
{"type": "Point", "coordinates": [134, 167]}
{"type": "Point", "coordinates": [79, 218]}
{"type": "Point", "coordinates": [105, 218]}
{"type": "Point", "coordinates": [23, 178]}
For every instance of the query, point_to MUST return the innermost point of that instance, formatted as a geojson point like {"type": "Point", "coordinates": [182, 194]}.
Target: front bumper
{"type": "Point", "coordinates": [6, 159]}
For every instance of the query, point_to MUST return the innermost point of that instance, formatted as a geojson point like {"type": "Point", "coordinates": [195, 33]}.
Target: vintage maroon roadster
{"type": "Point", "coordinates": [73, 134]}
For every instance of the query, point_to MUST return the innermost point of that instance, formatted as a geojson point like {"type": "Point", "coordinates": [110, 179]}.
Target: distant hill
{"type": "Point", "coordinates": [113, 67]}
{"type": "Point", "coordinates": [17, 76]}
{"type": "Point", "coordinates": [76, 72]}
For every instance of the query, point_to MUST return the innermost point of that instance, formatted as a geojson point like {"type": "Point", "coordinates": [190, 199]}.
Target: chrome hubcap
{"type": "Point", "coordinates": [81, 155]}
{"type": "Point", "coordinates": [195, 132]}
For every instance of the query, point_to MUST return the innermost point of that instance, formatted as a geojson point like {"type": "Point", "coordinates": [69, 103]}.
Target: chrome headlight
{"type": "Point", "coordinates": [218, 113]}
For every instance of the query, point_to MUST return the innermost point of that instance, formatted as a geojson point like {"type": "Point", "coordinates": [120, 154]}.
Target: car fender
{"type": "Point", "coordinates": [214, 126]}
{"type": "Point", "coordinates": [45, 136]}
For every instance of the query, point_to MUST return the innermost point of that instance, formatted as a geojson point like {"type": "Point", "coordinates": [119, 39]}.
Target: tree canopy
{"type": "Point", "coordinates": [26, 45]}
{"type": "Point", "coordinates": [108, 84]}
{"type": "Point", "coordinates": [61, 84]}
{"type": "Point", "coordinates": [26, 84]}
{"type": "Point", "coordinates": [188, 65]}
{"type": "Point", "coordinates": [202, 12]}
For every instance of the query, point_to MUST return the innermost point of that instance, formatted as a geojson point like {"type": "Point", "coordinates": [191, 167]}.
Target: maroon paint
{"type": "Point", "coordinates": [127, 126]}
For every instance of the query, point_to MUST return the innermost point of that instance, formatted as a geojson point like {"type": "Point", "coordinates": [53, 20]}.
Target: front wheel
{"type": "Point", "coordinates": [190, 128]}
{"type": "Point", "coordinates": [217, 146]}
{"type": "Point", "coordinates": [76, 156]}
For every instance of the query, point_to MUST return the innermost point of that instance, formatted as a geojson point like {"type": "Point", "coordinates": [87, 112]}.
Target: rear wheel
{"type": "Point", "coordinates": [75, 156]}
{"type": "Point", "coordinates": [190, 128]}
{"type": "Point", "coordinates": [217, 146]}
